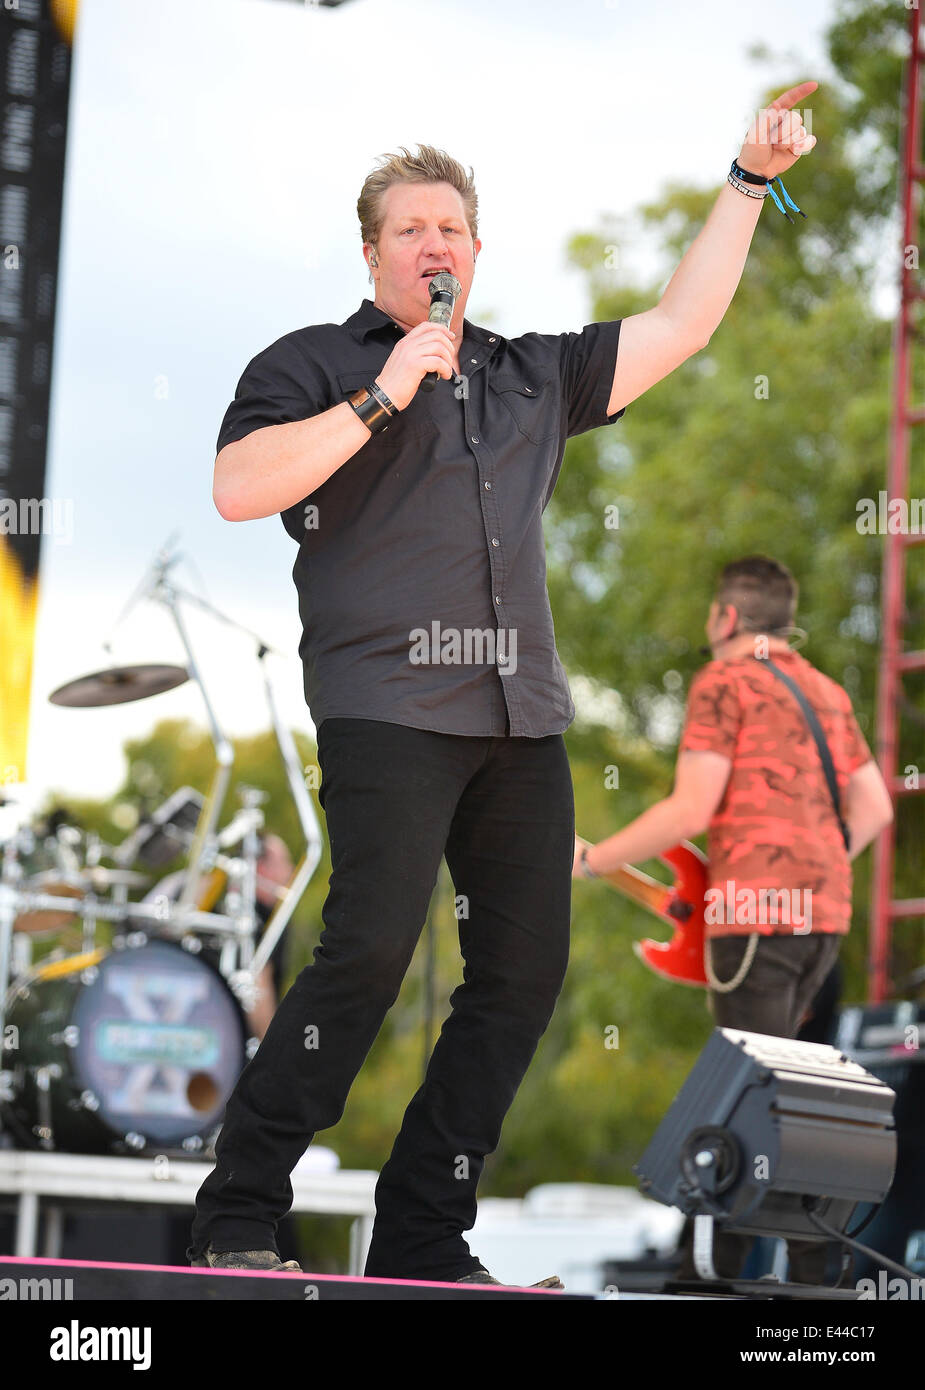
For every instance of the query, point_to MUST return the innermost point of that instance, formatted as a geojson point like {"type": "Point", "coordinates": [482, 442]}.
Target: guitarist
{"type": "Point", "coordinates": [749, 772]}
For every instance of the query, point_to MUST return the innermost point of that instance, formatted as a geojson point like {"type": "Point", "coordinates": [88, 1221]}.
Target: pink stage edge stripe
{"type": "Point", "coordinates": [251, 1273]}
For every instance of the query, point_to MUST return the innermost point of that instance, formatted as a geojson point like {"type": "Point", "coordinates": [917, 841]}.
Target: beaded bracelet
{"type": "Point", "coordinates": [744, 188]}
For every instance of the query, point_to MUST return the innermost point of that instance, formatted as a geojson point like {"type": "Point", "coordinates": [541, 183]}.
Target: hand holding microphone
{"type": "Point", "coordinates": [444, 289]}
{"type": "Point", "coordinates": [425, 353]}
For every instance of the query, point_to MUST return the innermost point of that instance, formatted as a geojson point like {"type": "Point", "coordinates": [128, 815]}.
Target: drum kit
{"type": "Point", "coordinates": [124, 1022]}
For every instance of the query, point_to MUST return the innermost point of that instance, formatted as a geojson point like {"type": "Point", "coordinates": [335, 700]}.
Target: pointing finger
{"type": "Point", "coordinates": [792, 96]}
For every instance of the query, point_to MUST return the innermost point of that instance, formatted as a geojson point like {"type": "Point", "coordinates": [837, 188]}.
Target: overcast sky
{"type": "Point", "coordinates": [216, 151]}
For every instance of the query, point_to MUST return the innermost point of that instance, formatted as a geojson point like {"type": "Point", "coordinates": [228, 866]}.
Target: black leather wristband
{"type": "Point", "coordinates": [382, 398]}
{"type": "Point", "coordinates": [371, 411]}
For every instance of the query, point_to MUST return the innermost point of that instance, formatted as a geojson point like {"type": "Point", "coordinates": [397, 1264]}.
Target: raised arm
{"type": "Point", "coordinates": [655, 342]}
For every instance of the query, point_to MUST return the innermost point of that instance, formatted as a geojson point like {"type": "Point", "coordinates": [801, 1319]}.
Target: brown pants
{"type": "Point", "coordinates": [784, 978]}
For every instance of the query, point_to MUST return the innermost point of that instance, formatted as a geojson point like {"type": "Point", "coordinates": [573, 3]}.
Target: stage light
{"type": "Point", "coordinates": [767, 1133]}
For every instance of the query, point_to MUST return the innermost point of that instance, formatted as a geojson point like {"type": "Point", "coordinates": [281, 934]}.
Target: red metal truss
{"type": "Point", "coordinates": [895, 661]}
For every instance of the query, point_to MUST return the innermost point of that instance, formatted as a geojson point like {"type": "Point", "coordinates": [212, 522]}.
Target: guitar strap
{"type": "Point", "coordinates": [815, 728]}
{"type": "Point", "coordinates": [828, 767]}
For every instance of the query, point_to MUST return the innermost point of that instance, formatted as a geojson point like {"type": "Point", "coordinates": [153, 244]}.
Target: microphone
{"type": "Point", "coordinates": [445, 289]}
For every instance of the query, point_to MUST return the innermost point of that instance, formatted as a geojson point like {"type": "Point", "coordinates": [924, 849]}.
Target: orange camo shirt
{"type": "Point", "coordinates": [775, 828]}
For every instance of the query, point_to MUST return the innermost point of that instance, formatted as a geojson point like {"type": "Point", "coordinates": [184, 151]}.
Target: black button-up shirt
{"type": "Point", "coordinates": [421, 570]}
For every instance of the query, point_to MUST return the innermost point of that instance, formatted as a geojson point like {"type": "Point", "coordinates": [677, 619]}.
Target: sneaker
{"type": "Point", "coordinates": [257, 1260]}
{"type": "Point", "coordinates": [481, 1276]}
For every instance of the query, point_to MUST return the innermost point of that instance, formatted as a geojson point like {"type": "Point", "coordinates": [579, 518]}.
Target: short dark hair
{"type": "Point", "coordinates": [763, 591]}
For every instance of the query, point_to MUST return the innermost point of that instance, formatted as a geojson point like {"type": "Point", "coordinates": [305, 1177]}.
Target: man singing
{"type": "Point", "coordinates": [418, 517]}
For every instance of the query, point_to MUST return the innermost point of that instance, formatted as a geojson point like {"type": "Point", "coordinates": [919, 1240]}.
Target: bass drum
{"type": "Point", "coordinates": [123, 1051]}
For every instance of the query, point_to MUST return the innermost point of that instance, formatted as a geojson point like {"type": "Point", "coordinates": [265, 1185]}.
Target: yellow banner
{"type": "Point", "coordinates": [18, 605]}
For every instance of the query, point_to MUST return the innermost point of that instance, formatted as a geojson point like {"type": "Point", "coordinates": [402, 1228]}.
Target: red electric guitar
{"type": "Point", "coordinates": [680, 904]}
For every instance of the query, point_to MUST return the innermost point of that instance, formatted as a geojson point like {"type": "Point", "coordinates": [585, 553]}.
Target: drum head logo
{"type": "Point", "coordinates": [154, 1042]}
{"type": "Point", "coordinates": [161, 1041]}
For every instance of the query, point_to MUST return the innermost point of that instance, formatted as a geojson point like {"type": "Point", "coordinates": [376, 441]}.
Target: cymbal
{"type": "Point", "coordinates": [118, 685]}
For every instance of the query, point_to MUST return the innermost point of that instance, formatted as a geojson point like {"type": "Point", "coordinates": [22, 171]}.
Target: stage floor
{"type": "Point", "coordinates": [79, 1281]}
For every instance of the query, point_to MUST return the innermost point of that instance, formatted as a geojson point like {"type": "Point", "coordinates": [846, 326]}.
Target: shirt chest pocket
{"type": "Point", "coordinates": [363, 491]}
{"type": "Point", "coordinates": [530, 401]}
{"type": "Point", "coordinates": [414, 422]}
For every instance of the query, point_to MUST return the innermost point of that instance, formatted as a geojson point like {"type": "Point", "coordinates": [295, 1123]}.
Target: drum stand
{"type": "Point", "coordinates": [241, 921]}
{"type": "Point", "coordinates": [8, 913]}
{"type": "Point", "coordinates": [244, 960]}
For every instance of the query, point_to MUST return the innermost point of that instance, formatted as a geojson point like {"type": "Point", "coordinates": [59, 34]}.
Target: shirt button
{"type": "Point", "coordinates": [474, 439]}
{"type": "Point", "coordinates": [528, 388]}
{"type": "Point", "coordinates": [491, 340]}
{"type": "Point", "coordinates": [495, 542]}
{"type": "Point", "coordinates": [497, 598]}
{"type": "Point", "coordinates": [488, 487]}
{"type": "Point", "coordinates": [501, 658]}
{"type": "Point", "coordinates": [474, 361]}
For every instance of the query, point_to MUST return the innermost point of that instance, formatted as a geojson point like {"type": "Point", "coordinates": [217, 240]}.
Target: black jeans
{"type": "Point", "coordinates": [783, 979]}
{"type": "Point", "coordinates": [397, 799]}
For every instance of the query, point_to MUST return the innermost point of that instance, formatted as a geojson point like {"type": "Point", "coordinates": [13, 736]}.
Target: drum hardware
{"type": "Point", "coordinates": [159, 586]}
{"type": "Point", "coordinates": [8, 904]}
{"type": "Point", "coordinates": [51, 868]}
{"type": "Point", "coordinates": [43, 1079]}
{"type": "Point", "coordinates": [20, 954]}
{"type": "Point", "coordinates": [136, 1051]}
{"type": "Point", "coordinates": [15, 901]}
{"type": "Point", "coordinates": [229, 931]}
{"type": "Point", "coordinates": [130, 941]}
{"type": "Point", "coordinates": [49, 865]}
{"type": "Point", "coordinates": [52, 967]}
{"type": "Point", "coordinates": [127, 683]}
{"type": "Point", "coordinates": [101, 879]}
{"type": "Point", "coordinates": [308, 820]}
{"type": "Point", "coordinates": [47, 1081]}
{"type": "Point", "coordinates": [161, 836]}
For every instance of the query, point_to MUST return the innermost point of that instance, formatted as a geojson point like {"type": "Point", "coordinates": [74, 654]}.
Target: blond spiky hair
{"type": "Point", "coordinates": [429, 165]}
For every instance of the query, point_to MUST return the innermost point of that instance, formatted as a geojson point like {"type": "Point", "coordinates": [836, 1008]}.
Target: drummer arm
{"type": "Point", "coordinates": [259, 1016]}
